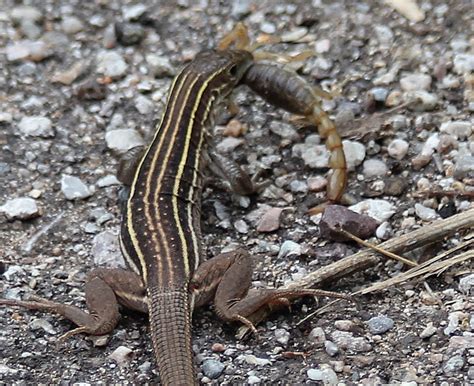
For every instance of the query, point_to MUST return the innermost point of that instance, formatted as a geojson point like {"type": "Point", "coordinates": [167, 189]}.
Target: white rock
{"type": "Point", "coordinates": [229, 144]}
{"type": "Point", "coordinates": [108, 180]}
{"type": "Point", "coordinates": [463, 63]}
{"type": "Point", "coordinates": [415, 82]}
{"type": "Point", "coordinates": [22, 208]}
{"type": "Point", "coordinates": [282, 336]}
{"type": "Point", "coordinates": [36, 127]}
{"type": "Point", "coordinates": [144, 105]}
{"type": "Point", "coordinates": [289, 248]}
{"type": "Point", "coordinates": [73, 188]}
{"type": "Point", "coordinates": [421, 100]}
{"type": "Point", "coordinates": [466, 284]}
{"type": "Point", "coordinates": [122, 355]}
{"type": "Point", "coordinates": [355, 153]}
{"type": "Point", "coordinates": [398, 149]}
{"type": "Point", "coordinates": [111, 63]}
{"type": "Point", "coordinates": [380, 210]}
{"type": "Point", "coordinates": [122, 140]}
{"type": "Point", "coordinates": [430, 145]}
{"type": "Point", "coordinates": [106, 250]}
{"type": "Point", "coordinates": [459, 129]}
{"type": "Point", "coordinates": [424, 213]}
{"type": "Point", "coordinates": [71, 25]}
{"type": "Point", "coordinates": [374, 168]}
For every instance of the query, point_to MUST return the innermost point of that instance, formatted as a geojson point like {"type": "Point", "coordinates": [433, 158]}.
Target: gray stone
{"type": "Point", "coordinates": [428, 332]}
{"type": "Point", "coordinates": [374, 168]}
{"type": "Point", "coordinates": [424, 213]}
{"type": "Point", "coordinates": [325, 374]}
{"type": "Point", "coordinates": [466, 284]}
{"type": "Point", "coordinates": [331, 348]}
{"type": "Point", "coordinates": [463, 63]}
{"type": "Point", "coordinates": [160, 66]}
{"type": "Point", "coordinates": [212, 368]}
{"type": "Point", "coordinates": [20, 13]}
{"type": "Point", "coordinates": [354, 152]}
{"type": "Point", "coordinates": [144, 105]}
{"type": "Point", "coordinates": [23, 208]}
{"type": "Point", "coordinates": [106, 250]}
{"type": "Point", "coordinates": [122, 140]}
{"type": "Point", "coordinates": [71, 25]}
{"type": "Point", "coordinates": [317, 335]}
{"type": "Point", "coordinates": [282, 336]}
{"type": "Point", "coordinates": [133, 12]}
{"type": "Point", "coordinates": [36, 127]}
{"type": "Point", "coordinates": [380, 324]}
{"type": "Point", "coordinates": [397, 149]}
{"type": "Point", "coordinates": [122, 355]}
{"type": "Point", "coordinates": [111, 63]}
{"type": "Point", "coordinates": [459, 129]}
{"type": "Point", "coordinates": [464, 167]}
{"type": "Point", "coordinates": [289, 248]}
{"type": "Point", "coordinates": [380, 210]}
{"type": "Point", "coordinates": [415, 82]}
{"type": "Point", "coordinates": [73, 188]}
{"type": "Point", "coordinates": [454, 364]}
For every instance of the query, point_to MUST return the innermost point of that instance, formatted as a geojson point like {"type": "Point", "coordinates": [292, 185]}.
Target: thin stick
{"type": "Point", "coordinates": [378, 249]}
{"type": "Point", "coordinates": [367, 258]}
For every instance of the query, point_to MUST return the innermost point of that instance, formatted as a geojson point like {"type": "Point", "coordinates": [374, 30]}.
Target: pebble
{"type": "Point", "coordinates": [241, 8]}
{"type": "Point", "coordinates": [354, 152]}
{"type": "Point", "coordinates": [270, 221]}
{"type": "Point", "coordinates": [129, 34]}
{"type": "Point", "coordinates": [326, 375]}
{"type": "Point", "coordinates": [463, 63]}
{"type": "Point", "coordinates": [253, 360]}
{"type": "Point", "coordinates": [41, 324]}
{"type": "Point", "coordinates": [160, 66]}
{"type": "Point", "coordinates": [337, 217]}
{"type": "Point", "coordinates": [284, 130]}
{"type": "Point", "coordinates": [464, 167]}
{"type": "Point", "coordinates": [453, 365]}
{"type": "Point", "coordinates": [384, 34]}
{"type": "Point", "coordinates": [459, 129]}
{"type": "Point", "coordinates": [397, 149]}
{"type": "Point", "coordinates": [424, 213]}
{"type": "Point", "coordinates": [111, 63]}
{"type": "Point", "coordinates": [317, 183]}
{"type": "Point", "coordinates": [347, 341]}
{"type": "Point", "coordinates": [282, 336]}
{"type": "Point", "coordinates": [71, 25]}
{"type": "Point", "coordinates": [5, 117]}
{"type": "Point", "coordinates": [108, 180]}
{"type": "Point", "coordinates": [268, 28]}
{"type": "Point", "coordinates": [23, 208]}
{"type": "Point", "coordinates": [36, 127]}
{"type": "Point", "coordinates": [122, 140]}
{"type": "Point", "coordinates": [28, 50]}
{"type": "Point", "coordinates": [229, 144]}
{"type": "Point", "coordinates": [73, 188]}
{"type": "Point", "coordinates": [122, 355]}
{"type": "Point", "coordinates": [68, 76]}
{"type": "Point", "coordinates": [298, 186]}
{"type": "Point", "coordinates": [313, 154]}
{"type": "Point", "coordinates": [212, 368]}
{"type": "Point", "coordinates": [133, 12]}
{"type": "Point", "coordinates": [380, 210]}
{"type": "Point", "coordinates": [25, 12]}
{"type": "Point", "coordinates": [428, 332]}
{"type": "Point", "coordinates": [374, 168]}
{"type": "Point", "coordinates": [379, 94]}
{"type": "Point", "coordinates": [289, 248]}
{"type": "Point", "coordinates": [317, 336]}
{"type": "Point", "coordinates": [345, 325]}
{"type": "Point", "coordinates": [331, 348]}
{"type": "Point", "coordinates": [384, 231]}
{"type": "Point", "coordinates": [454, 319]}
{"type": "Point", "coordinates": [5, 370]}
{"type": "Point", "coordinates": [241, 226]}
{"type": "Point", "coordinates": [144, 105]}
{"type": "Point", "coordinates": [253, 380]}
{"type": "Point", "coordinates": [105, 250]}
{"type": "Point", "coordinates": [380, 324]}
{"type": "Point", "coordinates": [145, 367]}
{"type": "Point", "coordinates": [466, 284]}
{"type": "Point", "coordinates": [415, 82]}
{"type": "Point", "coordinates": [421, 100]}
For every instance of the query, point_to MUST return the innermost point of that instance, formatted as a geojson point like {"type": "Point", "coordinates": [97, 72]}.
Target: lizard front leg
{"type": "Point", "coordinates": [104, 290]}
{"type": "Point", "coordinates": [226, 279]}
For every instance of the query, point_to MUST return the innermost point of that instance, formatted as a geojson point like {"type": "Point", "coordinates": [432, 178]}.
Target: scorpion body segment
{"type": "Point", "coordinates": [283, 88]}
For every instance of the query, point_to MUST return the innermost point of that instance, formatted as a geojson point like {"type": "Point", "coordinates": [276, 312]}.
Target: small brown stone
{"type": "Point", "coordinates": [270, 221]}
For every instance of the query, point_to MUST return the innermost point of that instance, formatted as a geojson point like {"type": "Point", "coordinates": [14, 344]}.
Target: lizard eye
{"type": "Point", "coordinates": [234, 70]}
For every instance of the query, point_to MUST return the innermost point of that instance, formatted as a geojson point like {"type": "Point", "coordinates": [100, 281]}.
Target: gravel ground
{"type": "Point", "coordinates": [83, 81]}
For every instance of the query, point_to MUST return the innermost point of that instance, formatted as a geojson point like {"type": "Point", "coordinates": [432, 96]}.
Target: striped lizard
{"type": "Point", "coordinates": [160, 233]}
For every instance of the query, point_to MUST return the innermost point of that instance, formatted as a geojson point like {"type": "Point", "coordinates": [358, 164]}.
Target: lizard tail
{"type": "Point", "coordinates": [170, 323]}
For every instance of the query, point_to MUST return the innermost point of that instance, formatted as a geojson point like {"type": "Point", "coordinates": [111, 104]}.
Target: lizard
{"type": "Point", "coordinates": [160, 234]}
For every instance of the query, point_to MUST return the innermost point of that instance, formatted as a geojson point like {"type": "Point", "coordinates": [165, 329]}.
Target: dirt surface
{"type": "Point", "coordinates": [55, 63]}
